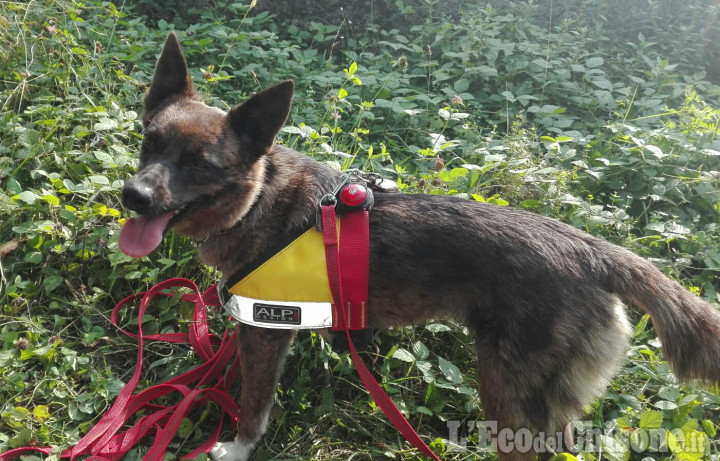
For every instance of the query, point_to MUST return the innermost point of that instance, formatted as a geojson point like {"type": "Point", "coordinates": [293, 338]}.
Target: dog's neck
{"type": "Point", "coordinates": [286, 200]}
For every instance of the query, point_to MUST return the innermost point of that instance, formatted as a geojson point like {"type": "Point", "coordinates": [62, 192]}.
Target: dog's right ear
{"type": "Point", "coordinates": [171, 79]}
{"type": "Point", "coordinates": [259, 119]}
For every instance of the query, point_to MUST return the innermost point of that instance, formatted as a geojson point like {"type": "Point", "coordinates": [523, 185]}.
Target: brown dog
{"type": "Point", "coordinates": [543, 298]}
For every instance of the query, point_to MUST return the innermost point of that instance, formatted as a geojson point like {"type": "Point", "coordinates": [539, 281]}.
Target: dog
{"type": "Point", "coordinates": [544, 300]}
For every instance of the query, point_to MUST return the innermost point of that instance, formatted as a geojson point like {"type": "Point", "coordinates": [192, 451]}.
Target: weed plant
{"type": "Point", "coordinates": [494, 105]}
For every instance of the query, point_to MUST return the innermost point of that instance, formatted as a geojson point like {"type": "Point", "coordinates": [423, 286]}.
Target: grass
{"type": "Point", "coordinates": [619, 138]}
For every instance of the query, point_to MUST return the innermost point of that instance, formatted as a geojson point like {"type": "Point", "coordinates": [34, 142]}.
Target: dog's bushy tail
{"type": "Point", "coordinates": [688, 327]}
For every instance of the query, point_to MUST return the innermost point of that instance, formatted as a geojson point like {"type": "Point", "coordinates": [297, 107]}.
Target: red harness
{"type": "Point", "coordinates": [348, 274]}
{"type": "Point", "coordinates": [348, 268]}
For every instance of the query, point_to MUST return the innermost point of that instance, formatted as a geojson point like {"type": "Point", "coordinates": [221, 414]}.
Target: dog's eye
{"type": "Point", "coordinates": [149, 142]}
{"type": "Point", "coordinates": [200, 164]}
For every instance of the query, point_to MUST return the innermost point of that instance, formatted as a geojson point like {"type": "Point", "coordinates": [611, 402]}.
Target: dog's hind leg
{"type": "Point", "coordinates": [501, 394]}
{"type": "Point", "coordinates": [533, 393]}
{"type": "Point", "coordinates": [262, 356]}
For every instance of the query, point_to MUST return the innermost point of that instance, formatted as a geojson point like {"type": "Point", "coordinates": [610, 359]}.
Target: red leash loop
{"type": "Point", "coordinates": [340, 257]}
{"type": "Point", "coordinates": [196, 387]}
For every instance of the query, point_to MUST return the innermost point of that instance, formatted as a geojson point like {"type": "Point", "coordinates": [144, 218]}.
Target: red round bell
{"type": "Point", "coordinates": [354, 195]}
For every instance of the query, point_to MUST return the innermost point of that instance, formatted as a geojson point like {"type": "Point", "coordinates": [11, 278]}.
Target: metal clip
{"type": "Point", "coordinates": [329, 199]}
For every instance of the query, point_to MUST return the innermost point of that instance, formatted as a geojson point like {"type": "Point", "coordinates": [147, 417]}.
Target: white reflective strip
{"type": "Point", "coordinates": [279, 314]}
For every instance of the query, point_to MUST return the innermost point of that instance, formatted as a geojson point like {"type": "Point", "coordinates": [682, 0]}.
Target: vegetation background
{"type": "Point", "coordinates": [603, 114]}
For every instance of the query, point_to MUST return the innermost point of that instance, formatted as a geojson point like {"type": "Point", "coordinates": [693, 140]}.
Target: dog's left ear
{"type": "Point", "coordinates": [260, 118]}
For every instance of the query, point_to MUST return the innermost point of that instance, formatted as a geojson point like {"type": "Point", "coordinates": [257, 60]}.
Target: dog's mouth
{"type": "Point", "coordinates": [142, 234]}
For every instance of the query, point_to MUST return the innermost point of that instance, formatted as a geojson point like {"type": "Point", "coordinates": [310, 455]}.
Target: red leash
{"type": "Point", "coordinates": [348, 274]}
{"type": "Point", "coordinates": [204, 383]}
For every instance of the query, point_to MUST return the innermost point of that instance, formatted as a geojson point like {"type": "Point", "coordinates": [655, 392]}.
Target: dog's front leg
{"type": "Point", "coordinates": [262, 356]}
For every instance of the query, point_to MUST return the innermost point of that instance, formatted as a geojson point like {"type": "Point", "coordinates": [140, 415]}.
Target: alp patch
{"type": "Point", "coordinates": [271, 313]}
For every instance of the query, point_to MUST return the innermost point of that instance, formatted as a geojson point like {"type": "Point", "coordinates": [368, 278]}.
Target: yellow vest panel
{"type": "Point", "coordinates": [298, 273]}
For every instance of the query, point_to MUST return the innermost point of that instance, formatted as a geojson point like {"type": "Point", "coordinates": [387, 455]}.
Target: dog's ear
{"type": "Point", "coordinates": [171, 77]}
{"type": "Point", "coordinates": [260, 118]}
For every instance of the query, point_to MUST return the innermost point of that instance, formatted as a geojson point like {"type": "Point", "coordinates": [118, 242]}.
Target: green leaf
{"type": "Point", "coordinates": [640, 327]}
{"type": "Point", "coordinates": [51, 199]}
{"type": "Point", "coordinates": [673, 443]}
{"type": "Point", "coordinates": [630, 401]}
{"type": "Point", "coordinates": [104, 157]}
{"type": "Point", "coordinates": [508, 96]}
{"type": "Point", "coordinates": [451, 372]}
{"type": "Point", "coordinates": [426, 369]}
{"type": "Point", "coordinates": [404, 355]}
{"type": "Point", "coordinates": [115, 386]}
{"type": "Point", "coordinates": [529, 204]}
{"type": "Point", "coordinates": [461, 85]}
{"type": "Point", "coordinates": [27, 196]}
{"type": "Point", "coordinates": [712, 258]}
{"type": "Point", "coordinates": [709, 428]}
{"type": "Point", "coordinates": [105, 124]}
{"type": "Point", "coordinates": [13, 186]}
{"type": "Point", "coordinates": [420, 350]}
{"type": "Point", "coordinates": [437, 327]}
{"type": "Point", "coordinates": [665, 405]}
{"type": "Point", "coordinates": [669, 393]}
{"type": "Point", "coordinates": [565, 457]}
{"type": "Point", "coordinates": [687, 400]}
{"type": "Point", "coordinates": [595, 62]}
{"type": "Point", "coordinates": [51, 282]}
{"type": "Point", "coordinates": [651, 420]}
{"type": "Point", "coordinates": [41, 413]}
{"type": "Point", "coordinates": [34, 257]}
{"type": "Point", "coordinates": [655, 150]}
{"type": "Point", "coordinates": [656, 227]}
{"type": "Point", "coordinates": [20, 413]}
{"type": "Point", "coordinates": [602, 83]}
{"type": "Point", "coordinates": [614, 450]}
{"type": "Point", "coordinates": [29, 138]}
{"type": "Point", "coordinates": [22, 438]}
{"type": "Point", "coordinates": [423, 410]}
{"type": "Point", "coordinates": [185, 429]}
{"type": "Point", "coordinates": [487, 71]}
{"type": "Point", "coordinates": [99, 179]}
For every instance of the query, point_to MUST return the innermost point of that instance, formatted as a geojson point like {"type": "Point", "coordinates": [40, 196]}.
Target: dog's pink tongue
{"type": "Point", "coordinates": [142, 234]}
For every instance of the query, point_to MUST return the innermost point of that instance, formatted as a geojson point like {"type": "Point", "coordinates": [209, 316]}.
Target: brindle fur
{"type": "Point", "coordinates": [542, 297]}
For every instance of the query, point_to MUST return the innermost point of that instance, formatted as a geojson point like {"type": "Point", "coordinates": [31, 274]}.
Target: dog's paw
{"type": "Point", "coordinates": [232, 451]}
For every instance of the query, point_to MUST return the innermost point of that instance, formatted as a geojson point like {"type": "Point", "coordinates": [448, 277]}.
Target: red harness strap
{"type": "Point", "coordinates": [343, 273]}
{"type": "Point", "coordinates": [354, 264]}
{"type": "Point", "coordinates": [208, 381]}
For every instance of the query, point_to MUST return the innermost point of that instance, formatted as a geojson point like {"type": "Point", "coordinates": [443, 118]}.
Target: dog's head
{"type": "Point", "coordinates": [201, 168]}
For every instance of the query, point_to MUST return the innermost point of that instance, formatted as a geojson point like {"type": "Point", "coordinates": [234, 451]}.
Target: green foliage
{"type": "Point", "coordinates": [616, 136]}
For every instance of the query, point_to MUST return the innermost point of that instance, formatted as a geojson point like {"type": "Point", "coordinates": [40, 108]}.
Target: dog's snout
{"type": "Point", "coordinates": [137, 197]}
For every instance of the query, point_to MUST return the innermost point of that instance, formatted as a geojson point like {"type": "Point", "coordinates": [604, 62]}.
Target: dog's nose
{"type": "Point", "coordinates": [137, 197]}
